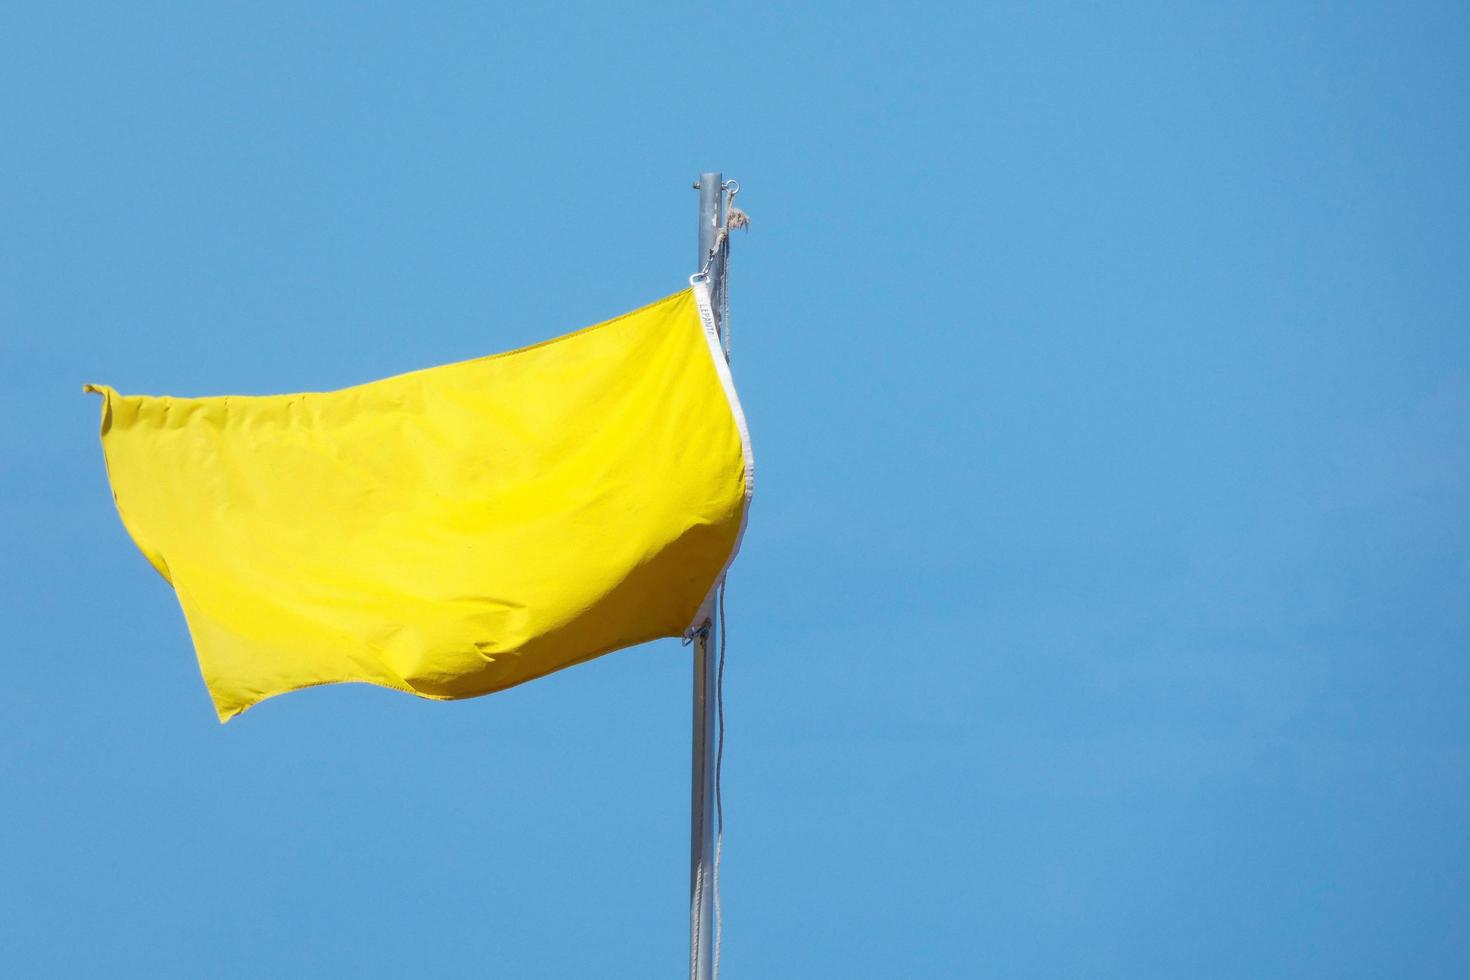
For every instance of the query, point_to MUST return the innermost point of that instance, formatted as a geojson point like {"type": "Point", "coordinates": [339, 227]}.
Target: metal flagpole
{"type": "Point", "coordinates": [702, 783]}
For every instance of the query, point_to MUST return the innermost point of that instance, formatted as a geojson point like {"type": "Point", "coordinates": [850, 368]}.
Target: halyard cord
{"type": "Point", "coordinates": [734, 218]}
{"type": "Point", "coordinates": [719, 766]}
{"type": "Point", "coordinates": [706, 632]}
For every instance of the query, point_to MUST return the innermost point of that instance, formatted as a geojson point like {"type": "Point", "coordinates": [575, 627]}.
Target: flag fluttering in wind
{"type": "Point", "coordinates": [452, 531]}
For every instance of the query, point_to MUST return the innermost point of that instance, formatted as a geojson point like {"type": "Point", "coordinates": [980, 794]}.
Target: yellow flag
{"type": "Point", "coordinates": [449, 532]}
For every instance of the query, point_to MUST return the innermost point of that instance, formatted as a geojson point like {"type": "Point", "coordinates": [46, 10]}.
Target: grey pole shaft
{"type": "Point", "coordinates": [702, 788]}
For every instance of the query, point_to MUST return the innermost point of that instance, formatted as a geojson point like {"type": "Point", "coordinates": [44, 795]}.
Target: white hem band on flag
{"type": "Point", "coordinates": [700, 286]}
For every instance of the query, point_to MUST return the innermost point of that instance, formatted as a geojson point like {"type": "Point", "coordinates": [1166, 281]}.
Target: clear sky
{"type": "Point", "coordinates": [1105, 607]}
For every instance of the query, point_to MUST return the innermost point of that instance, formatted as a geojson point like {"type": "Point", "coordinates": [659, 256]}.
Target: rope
{"type": "Point", "coordinates": [734, 218]}
{"type": "Point", "coordinates": [697, 912]}
{"type": "Point", "coordinates": [719, 767]}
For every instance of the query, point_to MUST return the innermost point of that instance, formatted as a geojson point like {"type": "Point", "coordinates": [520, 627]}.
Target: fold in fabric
{"type": "Point", "coordinates": [452, 531]}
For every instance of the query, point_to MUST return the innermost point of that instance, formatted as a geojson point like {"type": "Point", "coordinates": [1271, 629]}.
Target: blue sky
{"type": "Point", "coordinates": [1105, 606]}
